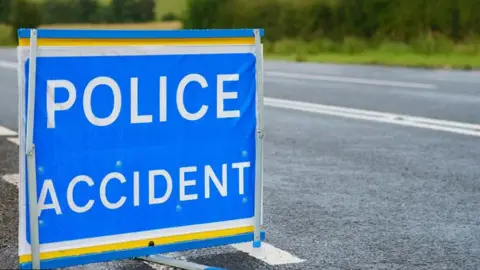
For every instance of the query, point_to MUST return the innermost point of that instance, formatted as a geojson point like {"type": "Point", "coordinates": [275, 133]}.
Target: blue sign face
{"type": "Point", "coordinates": [128, 144]}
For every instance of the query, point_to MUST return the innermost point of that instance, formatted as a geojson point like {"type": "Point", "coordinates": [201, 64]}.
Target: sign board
{"type": "Point", "coordinates": [138, 142]}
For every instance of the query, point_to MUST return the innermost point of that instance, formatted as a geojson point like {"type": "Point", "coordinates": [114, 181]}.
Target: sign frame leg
{"type": "Point", "coordinates": [258, 218]}
{"type": "Point", "coordinates": [30, 153]}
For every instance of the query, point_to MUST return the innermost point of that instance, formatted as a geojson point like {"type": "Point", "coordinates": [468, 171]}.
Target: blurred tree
{"type": "Point", "coordinates": [60, 11]}
{"type": "Point", "coordinates": [5, 7]}
{"type": "Point", "coordinates": [203, 14]}
{"type": "Point", "coordinates": [24, 14]}
{"type": "Point", "coordinates": [123, 10]}
{"type": "Point", "coordinates": [87, 10]}
{"type": "Point", "coordinates": [455, 20]}
{"type": "Point", "coordinates": [144, 11]}
{"type": "Point", "coordinates": [170, 16]}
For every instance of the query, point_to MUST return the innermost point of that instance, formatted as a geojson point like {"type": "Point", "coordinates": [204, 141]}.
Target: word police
{"type": "Point", "coordinates": [53, 107]}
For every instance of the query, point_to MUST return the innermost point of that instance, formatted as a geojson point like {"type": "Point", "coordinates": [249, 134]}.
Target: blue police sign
{"type": "Point", "coordinates": [138, 149]}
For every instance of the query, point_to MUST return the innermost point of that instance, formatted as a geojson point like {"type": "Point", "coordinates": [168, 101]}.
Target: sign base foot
{"type": "Point", "coordinates": [177, 263]}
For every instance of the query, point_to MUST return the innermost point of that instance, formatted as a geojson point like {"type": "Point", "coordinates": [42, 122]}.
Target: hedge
{"type": "Point", "coordinates": [394, 20]}
{"type": "Point", "coordinates": [29, 13]}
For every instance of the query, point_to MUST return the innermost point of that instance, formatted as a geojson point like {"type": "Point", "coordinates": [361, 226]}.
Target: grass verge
{"type": "Point", "coordinates": [164, 7]}
{"type": "Point", "coordinates": [426, 53]}
{"type": "Point", "coordinates": [452, 61]}
{"type": "Point", "coordinates": [6, 35]}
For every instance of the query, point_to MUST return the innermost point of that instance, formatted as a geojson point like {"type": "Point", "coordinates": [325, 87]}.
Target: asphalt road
{"type": "Point", "coordinates": [341, 193]}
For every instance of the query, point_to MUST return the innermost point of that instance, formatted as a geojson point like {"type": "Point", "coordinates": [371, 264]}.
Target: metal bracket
{"type": "Point", "coordinates": [30, 152]}
{"type": "Point", "coordinates": [259, 143]}
{"type": "Point", "coordinates": [260, 134]}
{"type": "Point", "coordinates": [177, 263]}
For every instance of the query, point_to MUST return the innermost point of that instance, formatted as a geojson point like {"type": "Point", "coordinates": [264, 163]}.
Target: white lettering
{"type": "Point", "coordinates": [184, 183]}
{"type": "Point", "coordinates": [151, 186]}
{"type": "Point", "coordinates": [52, 107]}
{"type": "Point", "coordinates": [87, 101]}
{"type": "Point", "coordinates": [134, 116]}
{"type": "Point", "coordinates": [163, 99]}
{"type": "Point", "coordinates": [240, 166]}
{"type": "Point", "coordinates": [71, 202]}
{"type": "Point", "coordinates": [221, 96]}
{"type": "Point", "coordinates": [103, 191]}
{"type": "Point", "coordinates": [48, 188]}
{"type": "Point", "coordinates": [158, 193]}
{"type": "Point", "coordinates": [136, 189]}
{"type": "Point", "coordinates": [210, 174]}
{"type": "Point", "coordinates": [181, 88]}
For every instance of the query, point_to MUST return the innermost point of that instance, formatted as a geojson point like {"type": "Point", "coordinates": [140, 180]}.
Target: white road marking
{"type": "Point", "coordinates": [268, 254]}
{"type": "Point", "coordinates": [11, 178]}
{"type": "Point", "coordinates": [157, 266]}
{"type": "Point", "coordinates": [304, 69]}
{"type": "Point", "coordinates": [14, 140]}
{"type": "Point", "coordinates": [398, 119]}
{"type": "Point", "coordinates": [8, 64]}
{"type": "Point", "coordinates": [6, 132]}
{"type": "Point", "coordinates": [329, 85]}
{"type": "Point", "coordinates": [350, 80]}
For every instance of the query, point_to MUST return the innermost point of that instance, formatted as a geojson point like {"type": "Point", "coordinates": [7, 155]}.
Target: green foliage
{"type": "Point", "coordinates": [170, 16]}
{"type": "Point", "coordinates": [204, 14]}
{"type": "Point", "coordinates": [70, 11]}
{"type": "Point", "coordinates": [393, 47]}
{"type": "Point", "coordinates": [29, 13]}
{"type": "Point", "coordinates": [433, 45]}
{"type": "Point", "coordinates": [166, 7]}
{"type": "Point", "coordinates": [6, 35]}
{"type": "Point", "coordinates": [393, 20]}
{"type": "Point", "coordinates": [24, 14]}
{"type": "Point", "coordinates": [96, 11]}
{"type": "Point", "coordinates": [133, 10]}
{"type": "Point", "coordinates": [353, 45]}
{"type": "Point", "coordinates": [5, 7]}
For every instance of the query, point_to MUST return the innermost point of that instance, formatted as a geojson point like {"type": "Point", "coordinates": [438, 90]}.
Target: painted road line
{"type": "Point", "coordinates": [353, 80]}
{"type": "Point", "coordinates": [438, 122]}
{"type": "Point", "coordinates": [8, 64]}
{"type": "Point", "coordinates": [6, 132]}
{"type": "Point", "coordinates": [11, 178]}
{"type": "Point", "coordinates": [14, 140]}
{"type": "Point", "coordinates": [398, 119]}
{"type": "Point", "coordinates": [269, 254]}
{"type": "Point", "coordinates": [329, 85]}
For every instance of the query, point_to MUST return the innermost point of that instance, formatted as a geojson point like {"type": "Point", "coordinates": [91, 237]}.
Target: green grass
{"type": "Point", "coordinates": [426, 53]}
{"type": "Point", "coordinates": [176, 7]}
{"type": "Point", "coordinates": [6, 35]}
{"type": "Point", "coordinates": [456, 61]}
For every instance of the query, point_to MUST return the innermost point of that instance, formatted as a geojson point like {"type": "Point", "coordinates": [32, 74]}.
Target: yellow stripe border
{"type": "Point", "coordinates": [139, 244]}
{"type": "Point", "coordinates": [138, 42]}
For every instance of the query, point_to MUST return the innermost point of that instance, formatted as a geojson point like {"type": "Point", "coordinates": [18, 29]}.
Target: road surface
{"type": "Point", "coordinates": [365, 168]}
